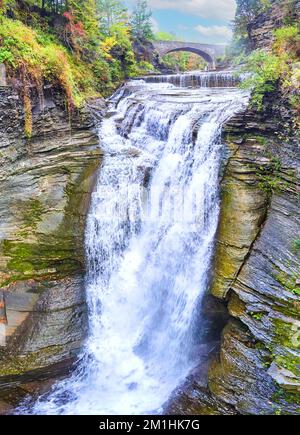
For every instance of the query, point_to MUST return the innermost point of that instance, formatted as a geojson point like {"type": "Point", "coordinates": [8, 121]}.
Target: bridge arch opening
{"type": "Point", "coordinates": [196, 51]}
{"type": "Point", "coordinates": [186, 60]}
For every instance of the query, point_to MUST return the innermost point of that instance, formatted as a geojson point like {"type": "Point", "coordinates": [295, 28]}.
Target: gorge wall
{"type": "Point", "coordinates": [46, 184]}
{"type": "Point", "coordinates": [280, 13]}
{"type": "Point", "coordinates": [257, 264]}
{"type": "Point", "coordinates": [256, 274]}
{"type": "Point", "coordinates": [257, 270]}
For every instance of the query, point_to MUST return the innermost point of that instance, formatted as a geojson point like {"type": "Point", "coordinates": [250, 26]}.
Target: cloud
{"type": "Point", "coordinates": [209, 9]}
{"type": "Point", "coordinates": [218, 33]}
{"type": "Point", "coordinates": [155, 25]}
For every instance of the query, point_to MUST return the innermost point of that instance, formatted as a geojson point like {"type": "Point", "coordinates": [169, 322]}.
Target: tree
{"type": "Point", "coordinates": [246, 12]}
{"type": "Point", "coordinates": [111, 12]}
{"type": "Point", "coordinates": [141, 26]}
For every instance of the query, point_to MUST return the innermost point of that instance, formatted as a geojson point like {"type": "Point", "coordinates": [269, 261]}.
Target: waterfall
{"type": "Point", "coordinates": [149, 245]}
{"type": "Point", "coordinates": [196, 79]}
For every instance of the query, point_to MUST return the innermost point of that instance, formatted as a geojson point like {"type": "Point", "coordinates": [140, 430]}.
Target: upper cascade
{"type": "Point", "coordinates": [198, 79]}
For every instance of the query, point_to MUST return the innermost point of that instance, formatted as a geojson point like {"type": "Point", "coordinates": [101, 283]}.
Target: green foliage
{"type": "Point", "coordinates": [88, 52]}
{"type": "Point", "coordinates": [184, 61]}
{"type": "Point", "coordinates": [270, 178]}
{"type": "Point", "coordinates": [286, 33]}
{"type": "Point", "coordinates": [287, 48]}
{"type": "Point", "coordinates": [6, 4]}
{"type": "Point", "coordinates": [262, 140]}
{"type": "Point", "coordinates": [246, 11]}
{"type": "Point", "coordinates": [5, 55]}
{"type": "Point", "coordinates": [296, 246]}
{"type": "Point", "coordinates": [35, 59]}
{"type": "Point", "coordinates": [82, 28]}
{"type": "Point", "coordinates": [145, 67]}
{"type": "Point", "coordinates": [117, 50]}
{"type": "Point", "coordinates": [164, 36]}
{"type": "Point", "coordinates": [141, 26]}
{"type": "Point", "coordinates": [276, 69]}
{"type": "Point", "coordinates": [287, 41]}
{"type": "Point", "coordinates": [102, 74]}
{"type": "Point", "coordinates": [289, 283]}
{"type": "Point", "coordinates": [257, 316]}
{"type": "Point", "coordinates": [111, 13]}
{"type": "Point", "coordinates": [265, 70]}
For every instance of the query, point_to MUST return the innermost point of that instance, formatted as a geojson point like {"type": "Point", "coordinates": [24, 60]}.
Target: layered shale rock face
{"type": "Point", "coordinates": [257, 262]}
{"type": "Point", "coordinates": [257, 271]}
{"type": "Point", "coordinates": [279, 14]}
{"type": "Point", "coordinates": [45, 183]}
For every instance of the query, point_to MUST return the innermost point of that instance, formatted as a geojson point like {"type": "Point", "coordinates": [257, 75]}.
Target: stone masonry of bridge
{"type": "Point", "coordinates": [209, 52]}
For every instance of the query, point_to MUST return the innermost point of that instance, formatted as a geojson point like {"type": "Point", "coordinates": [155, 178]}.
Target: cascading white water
{"type": "Point", "coordinates": [149, 243]}
{"type": "Point", "coordinates": [198, 79]}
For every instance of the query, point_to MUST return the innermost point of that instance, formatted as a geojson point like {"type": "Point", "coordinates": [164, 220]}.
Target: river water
{"type": "Point", "coordinates": [149, 244]}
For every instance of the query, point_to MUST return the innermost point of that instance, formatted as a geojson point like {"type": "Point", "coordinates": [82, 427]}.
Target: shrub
{"type": "Point", "coordinates": [296, 246]}
{"type": "Point", "coordinates": [63, 46]}
{"type": "Point", "coordinates": [33, 59]}
{"type": "Point", "coordinates": [23, 50]}
{"type": "Point", "coordinates": [287, 40]}
{"type": "Point", "coordinates": [265, 70]}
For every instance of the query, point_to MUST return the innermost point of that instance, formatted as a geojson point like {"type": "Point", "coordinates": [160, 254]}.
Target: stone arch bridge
{"type": "Point", "coordinates": [209, 52]}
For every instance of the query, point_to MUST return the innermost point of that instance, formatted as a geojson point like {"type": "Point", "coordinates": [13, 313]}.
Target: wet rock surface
{"type": "Point", "coordinates": [46, 184]}
{"type": "Point", "coordinates": [257, 266]}
{"type": "Point", "coordinates": [256, 274]}
{"type": "Point", "coordinates": [194, 396]}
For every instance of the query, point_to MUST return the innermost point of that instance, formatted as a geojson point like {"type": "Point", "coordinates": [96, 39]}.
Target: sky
{"type": "Point", "coordinates": [206, 21]}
